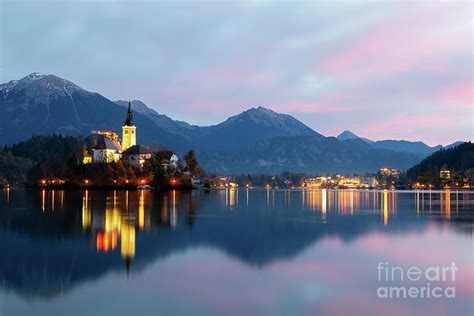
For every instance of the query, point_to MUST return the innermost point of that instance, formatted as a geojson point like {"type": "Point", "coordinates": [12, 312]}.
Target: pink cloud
{"type": "Point", "coordinates": [407, 42]}
{"type": "Point", "coordinates": [401, 251]}
{"type": "Point", "coordinates": [315, 107]}
{"type": "Point", "coordinates": [458, 94]}
{"type": "Point", "coordinates": [356, 305]}
{"type": "Point", "coordinates": [410, 124]}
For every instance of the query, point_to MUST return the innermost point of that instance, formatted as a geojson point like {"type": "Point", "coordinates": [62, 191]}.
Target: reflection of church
{"type": "Point", "coordinates": [114, 223]}
{"type": "Point", "coordinates": [108, 147]}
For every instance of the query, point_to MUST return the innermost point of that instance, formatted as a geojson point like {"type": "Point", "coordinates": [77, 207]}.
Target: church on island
{"type": "Point", "coordinates": [108, 148]}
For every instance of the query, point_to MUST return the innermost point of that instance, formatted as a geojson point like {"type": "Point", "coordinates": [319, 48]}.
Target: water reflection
{"type": "Point", "coordinates": [348, 202]}
{"type": "Point", "coordinates": [7, 195]}
{"type": "Point", "coordinates": [58, 239]}
{"type": "Point", "coordinates": [232, 197]}
{"type": "Point", "coordinates": [445, 202]}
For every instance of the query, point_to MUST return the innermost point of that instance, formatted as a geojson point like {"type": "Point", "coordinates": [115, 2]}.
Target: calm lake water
{"type": "Point", "coordinates": [232, 252]}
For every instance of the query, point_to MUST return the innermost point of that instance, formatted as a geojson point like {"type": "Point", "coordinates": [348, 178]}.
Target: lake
{"type": "Point", "coordinates": [236, 252]}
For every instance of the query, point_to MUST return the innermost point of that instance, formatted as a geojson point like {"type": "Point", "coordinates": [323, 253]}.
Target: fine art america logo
{"type": "Point", "coordinates": [416, 282]}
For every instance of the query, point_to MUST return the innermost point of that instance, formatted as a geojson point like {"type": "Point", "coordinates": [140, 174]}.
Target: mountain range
{"type": "Point", "coordinates": [256, 140]}
{"type": "Point", "coordinates": [417, 148]}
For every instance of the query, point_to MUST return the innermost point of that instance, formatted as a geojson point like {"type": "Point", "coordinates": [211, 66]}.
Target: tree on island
{"type": "Point", "coordinates": [192, 165]}
{"type": "Point", "coordinates": [157, 167]}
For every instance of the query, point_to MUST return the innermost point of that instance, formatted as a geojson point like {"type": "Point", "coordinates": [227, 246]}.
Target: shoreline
{"type": "Point", "coordinates": [190, 188]}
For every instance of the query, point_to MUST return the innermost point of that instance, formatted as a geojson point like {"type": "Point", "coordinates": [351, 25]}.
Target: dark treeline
{"type": "Point", "coordinates": [285, 179]}
{"type": "Point", "coordinates": [458, 160]}
{"type": "Point", "coordinates": [54, 154]}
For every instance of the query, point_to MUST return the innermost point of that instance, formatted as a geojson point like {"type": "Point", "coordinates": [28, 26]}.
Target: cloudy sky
{"type": "Point", "coordinates": [382, 69]}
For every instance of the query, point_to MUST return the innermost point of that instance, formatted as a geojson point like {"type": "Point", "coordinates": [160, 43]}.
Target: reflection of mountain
{"type": "Point", "coordinates": [90, 234]}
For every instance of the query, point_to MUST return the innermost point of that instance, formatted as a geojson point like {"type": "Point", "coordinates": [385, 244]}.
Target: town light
{"type": "Point", "coordinates": [86, 181]}
{"type": "Point", "coordinates": [43, 181]}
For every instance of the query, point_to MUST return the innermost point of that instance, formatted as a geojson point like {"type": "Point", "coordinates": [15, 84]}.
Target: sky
{"type": "Point", "coordinates": [382, 69]}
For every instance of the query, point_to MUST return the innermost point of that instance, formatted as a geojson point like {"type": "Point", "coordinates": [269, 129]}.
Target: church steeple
{"type": "Point", "coordinates": [129, 136]}
{"type": "Point", "coordinates": [129, 119]}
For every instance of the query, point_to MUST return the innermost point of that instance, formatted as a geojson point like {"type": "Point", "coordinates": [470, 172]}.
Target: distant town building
{"type": "Point", "coordinates": [368, 182]}
{"type": "Point", "coordinates": [318, 182]}
{"type": "Point", "coordinates": [312, 183]}
{"type": "Point", "coordinates": [349, 183]}
{"type": "Point", "coordinates": [445, 174]}
{"type": "Point", "coordinates": [388, 172]}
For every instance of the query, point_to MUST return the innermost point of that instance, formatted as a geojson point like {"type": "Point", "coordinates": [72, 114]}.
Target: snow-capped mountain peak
{"type": "Point", "coordinates": [46, 82]}
{"type": "Point", "coordinates": [34, 76]}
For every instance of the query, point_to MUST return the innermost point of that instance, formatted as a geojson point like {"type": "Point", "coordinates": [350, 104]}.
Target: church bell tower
{"type": "Point", "coordinates": [129, 130]}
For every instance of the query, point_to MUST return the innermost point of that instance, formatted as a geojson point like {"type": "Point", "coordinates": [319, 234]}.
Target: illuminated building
{"type": "Point", "coordinates": [170, 160]}
{"type": "Point", "coordinates": [318, 182]}
{"type": "Point", "coordinates": [86, 157]}
{"type": "Point", "coordinates": [349, 183]}
{"type": "Point", "coordinates": [109, 134]}
{"type": "Point", "coordinates": [313, 183]}
{"type": "Point", "coordinates": [129, 135]}
{"type": "Point", "coordinates": [389, 172]}
{"type": "Point", "coordinates": [445, 174]}
{"type": "Point", "coordinates": [106, 150]}
{"type": "Point", "coordinates": [368, 182]}
{"type": "Point", "coordinates": [137, 155]}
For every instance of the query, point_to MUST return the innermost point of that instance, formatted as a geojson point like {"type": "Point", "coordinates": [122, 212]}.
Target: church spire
{"type": "Point", "coordinates": [129, 119]}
